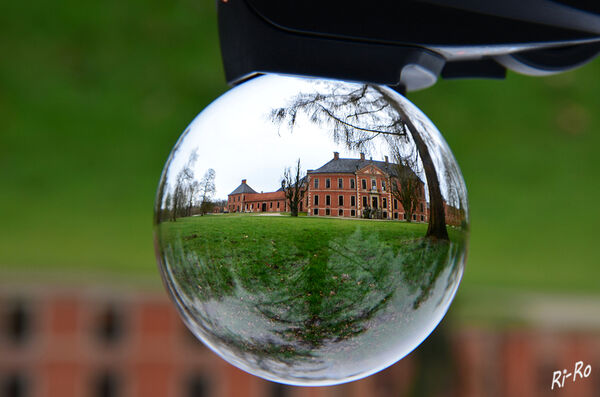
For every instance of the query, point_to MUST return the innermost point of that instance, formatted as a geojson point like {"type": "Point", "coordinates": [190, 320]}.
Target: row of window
{"type": "Point", "coordinates": [19, 323]}
{"type": "Point", "coordinates": [365, 201]}
{"type": "Point", "coordinates": [316, 211]}
{"type": "Point", "coordinates": [258, 205]}
{"type": "Point", "coordinates": [414, 217]}
{"type": "Point", "coordinates": [16, 324]}
{"type": "Point", "coordinates": [352, 185]}
{"type": "Point", "coordinates": [110, 383]}
{"type": "Point", "coordinates": [340, 212]}
{"type": "Point", "coordinates": [104, 384]}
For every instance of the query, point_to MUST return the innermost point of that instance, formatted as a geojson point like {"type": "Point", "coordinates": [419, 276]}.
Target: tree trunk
{"type": "Point", "coordinates": [437, 216]}
{"type": "Point", "coordinates": [293, 203]}
{"type": "Point", "coordinates": [408, 210]}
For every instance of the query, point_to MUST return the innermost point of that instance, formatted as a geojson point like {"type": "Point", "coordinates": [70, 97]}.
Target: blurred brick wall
{"type": "Point", "coordinates": [56, 343]}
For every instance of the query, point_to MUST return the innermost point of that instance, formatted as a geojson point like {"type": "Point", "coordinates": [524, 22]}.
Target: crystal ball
{"type": "Point", "coordinates": [311, 232]}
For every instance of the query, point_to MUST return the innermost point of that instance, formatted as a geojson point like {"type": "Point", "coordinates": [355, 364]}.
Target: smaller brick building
{"type": "Point", "coordinates": [246, 199]}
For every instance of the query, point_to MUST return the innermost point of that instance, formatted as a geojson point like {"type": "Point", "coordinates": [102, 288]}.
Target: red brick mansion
{"type": "Point", "coordinates": [341, 187]}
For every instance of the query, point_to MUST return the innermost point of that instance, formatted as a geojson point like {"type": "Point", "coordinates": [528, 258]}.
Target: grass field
{"type": "Point", "coordinates": [310, 233]}
{"type": "Point", "coordinates": [93, 99]}
{"type": "Point", "coordinates": [309, 282]}
{"type": "Point", "coordinates": [260, 252]}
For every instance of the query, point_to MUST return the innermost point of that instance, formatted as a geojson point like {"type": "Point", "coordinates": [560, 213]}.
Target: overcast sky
{"type": "Point", "coordinates": [235, 137]}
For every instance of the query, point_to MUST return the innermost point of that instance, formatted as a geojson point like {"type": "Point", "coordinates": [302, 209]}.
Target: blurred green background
{"type": "Point", "coordinates": [93, 95]}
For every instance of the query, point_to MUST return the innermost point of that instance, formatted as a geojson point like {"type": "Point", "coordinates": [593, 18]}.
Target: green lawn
{"type": "Point", "coordinates": [320, 279]}
{"type": "Point", "coordinates": [93, 98]}
{"type": "Point", "coordinates": [266, 250]}
{"type": "Point", "coordinates": [310, 233]}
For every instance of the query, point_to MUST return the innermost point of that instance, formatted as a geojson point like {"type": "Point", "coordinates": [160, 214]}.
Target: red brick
{"type": "Point", "coordinates": [156, 319]}
{"type": "Point", "coordinates": [153, 380]}
{"type": "Point", "coordinates": [64, 315]}
{"type": "Point", "coordinates": [63, 379]}
{"type": "Point", "coordinates": [519, 365]}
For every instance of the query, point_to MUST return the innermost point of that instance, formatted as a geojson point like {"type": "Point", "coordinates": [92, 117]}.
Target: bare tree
{"type": "Point", "coordinates": [185, 189]}
{"type": "Point", "coordinates": [358, 115]}
{"type": "Point", "coordinates": [406, 186]}
{"type": "Point", "coordinates": [437, 214]}
{"type": "Point", "coordinates": [179, 200]}
{"type": "Point", "coordinates": [165, 212]}
{"type": "Point", "coordinates": [294, 186]}
{"type": "Point", "coordinates": [192, 191]}
{"type": "Point", "coordinates": [207, 189]}
{"type": "Point", "coordinates": [162, 204]}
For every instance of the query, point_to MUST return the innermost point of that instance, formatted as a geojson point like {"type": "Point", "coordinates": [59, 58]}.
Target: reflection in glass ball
{"type": "Point", "coordinates": [311, 232]}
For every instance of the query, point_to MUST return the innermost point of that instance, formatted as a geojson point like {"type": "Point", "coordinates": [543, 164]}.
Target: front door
{"type": "Point", "coordinates": [264, 207]}
{"type": "Point", "coordinates": [374, 201]}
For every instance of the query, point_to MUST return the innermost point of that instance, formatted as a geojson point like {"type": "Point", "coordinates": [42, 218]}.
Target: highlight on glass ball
{"type": "Point", "coordinates": [311, 232]}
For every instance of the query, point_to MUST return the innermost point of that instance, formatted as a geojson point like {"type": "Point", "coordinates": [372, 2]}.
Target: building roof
{"type": "Point", "coordinates": [302, 182]}
{"type": "Point", "coordinates": [243, 188]}
{"type": "Point", "coordinates": [350, 166]}
{"type": "Point", "coordinates": [278, 195]}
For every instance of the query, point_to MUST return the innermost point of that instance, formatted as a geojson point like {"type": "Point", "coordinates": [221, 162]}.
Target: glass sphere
{"type": "Point", "coordinates": [311, 232]}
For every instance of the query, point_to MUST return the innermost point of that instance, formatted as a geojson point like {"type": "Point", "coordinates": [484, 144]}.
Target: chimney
{"type": "Point", "coordinates": [386, 159]}
{"type": "Point", "coordinates": [362, 156]}
{"type": "Point", "coordinates": [243, 181]}
{"type": "Point", "coordinates": [336, 155]}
